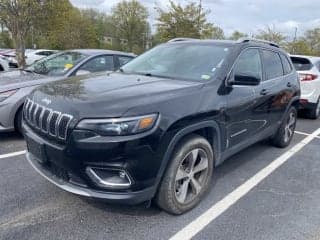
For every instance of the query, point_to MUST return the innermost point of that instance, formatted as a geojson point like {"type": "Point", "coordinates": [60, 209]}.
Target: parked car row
{"type": "Point", "coordinates": [31, 56]}
{"type": "Point", "coordinates": [156, 128]}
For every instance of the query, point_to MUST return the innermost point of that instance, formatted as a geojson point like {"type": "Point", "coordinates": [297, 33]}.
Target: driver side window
{"type": "Point", "coordinates": [249, 64]}
{"type": "Point", "coordinates": [99, 64]}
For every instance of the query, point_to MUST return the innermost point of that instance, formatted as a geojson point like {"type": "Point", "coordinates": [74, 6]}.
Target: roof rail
{"type": "Point", "coordinates": [243, 40]}
{"type": "Point", "coordinates": [181, 39]}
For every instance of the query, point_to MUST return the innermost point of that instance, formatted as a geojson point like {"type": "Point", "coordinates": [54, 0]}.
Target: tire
{"type": "Point", "coordinates": [18, 121]}
{"type": "Point", "coordinates": [314, 113]}
{"type": "Point", "coordinates": [285, 133]}
{"type": "Point", "coordinates": [183, 175]}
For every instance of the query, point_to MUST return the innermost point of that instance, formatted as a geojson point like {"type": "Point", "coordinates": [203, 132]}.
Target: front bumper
{"type": "Point", "coordinates": [113, 197]}
{"type": "Point", "coordinates": [65, 166]}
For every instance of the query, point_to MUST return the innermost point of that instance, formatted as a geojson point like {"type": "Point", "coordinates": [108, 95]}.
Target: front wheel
{"type": "Point", "coordinates": [188, 176]}
{"type": "Point", "coordinates": [285, 133]}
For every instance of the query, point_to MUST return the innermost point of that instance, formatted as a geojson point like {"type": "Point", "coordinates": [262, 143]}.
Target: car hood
{"type": "Point", "coordinates": [19, 79]}
{"type": "Point", "coordinates": [111, 95]}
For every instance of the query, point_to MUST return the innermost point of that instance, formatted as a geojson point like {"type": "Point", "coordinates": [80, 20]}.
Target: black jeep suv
{"type": "Point", "coordinates": [157, 128]}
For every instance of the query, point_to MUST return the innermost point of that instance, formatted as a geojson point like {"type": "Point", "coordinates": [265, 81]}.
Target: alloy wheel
{"type": "Point", "coordinates": [290, 126]}
{"type": "Point", "coordinates": [191, 176]}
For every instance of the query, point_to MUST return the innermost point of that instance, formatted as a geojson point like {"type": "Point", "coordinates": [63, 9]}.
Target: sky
{"type": "Point", "coordinates": [243, 15]}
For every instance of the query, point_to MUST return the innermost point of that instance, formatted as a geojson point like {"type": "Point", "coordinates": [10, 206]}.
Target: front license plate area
{"type": "Point", "coordinates": [36, 149]}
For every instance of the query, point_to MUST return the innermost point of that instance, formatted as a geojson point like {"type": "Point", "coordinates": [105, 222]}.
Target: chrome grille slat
{"type": "Point", "coordinates": [48, 121]}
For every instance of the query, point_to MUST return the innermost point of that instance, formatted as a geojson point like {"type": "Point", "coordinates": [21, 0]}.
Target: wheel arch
{"type": "Point", "coordinates": [208, 129]}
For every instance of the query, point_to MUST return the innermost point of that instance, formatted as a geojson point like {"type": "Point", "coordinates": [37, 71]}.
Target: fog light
{"type": "Point", "coordinates": [109, 178]}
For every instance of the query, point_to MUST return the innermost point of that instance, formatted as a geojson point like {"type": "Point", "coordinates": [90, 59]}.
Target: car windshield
{"type": "Point", "coordinates": [195, 62]}
{"type": "Point", "coordinates": [57, 64]}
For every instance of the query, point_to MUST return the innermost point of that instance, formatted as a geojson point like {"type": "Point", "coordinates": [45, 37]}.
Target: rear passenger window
{"type": "Point", "coordinates": [272, 64]}
{"type": "Point", "coordinates": [286, 65]}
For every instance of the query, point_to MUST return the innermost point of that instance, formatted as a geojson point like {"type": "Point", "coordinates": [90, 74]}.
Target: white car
{"type": "Point", "coordinates": [4, 64]}
{"type": "Point", "coordinates": [309, 72]}
{"type": "Point", "coordinates": [35, 55]}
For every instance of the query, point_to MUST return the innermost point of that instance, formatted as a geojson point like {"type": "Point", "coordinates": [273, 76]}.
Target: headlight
{"type": "Point", "coordinates": [5, 95]}
{"type": "Point", "coordinates": [119, 126]}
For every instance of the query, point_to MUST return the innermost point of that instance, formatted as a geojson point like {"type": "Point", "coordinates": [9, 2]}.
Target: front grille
{"type": "Point", "coordinates": [46, 120]}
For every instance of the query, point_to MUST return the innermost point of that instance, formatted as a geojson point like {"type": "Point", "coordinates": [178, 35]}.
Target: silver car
{"type": "Point", "coordinates": [16, 85]}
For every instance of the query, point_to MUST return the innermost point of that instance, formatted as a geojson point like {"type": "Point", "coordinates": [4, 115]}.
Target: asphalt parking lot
{"type": "Point", "coordinates": [283, 204]}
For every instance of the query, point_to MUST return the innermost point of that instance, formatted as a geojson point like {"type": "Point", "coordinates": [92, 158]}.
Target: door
{"type": "Point", "coordinates": [243, 121]}
{"type": "Point", "coordinates": [275, 90]}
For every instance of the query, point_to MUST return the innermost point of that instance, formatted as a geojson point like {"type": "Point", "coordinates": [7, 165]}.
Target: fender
{"type": "Point", "coordinates": [290, 104]}
{"type": "Point", "coordinates": [184, 132]}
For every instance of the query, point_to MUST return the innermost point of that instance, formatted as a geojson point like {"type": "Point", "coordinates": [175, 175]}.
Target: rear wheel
{"type": "Point", "coordinates": [314, 113]}
{"type": "Point", "coordinates": [188, 176]}
{"type": "Point", "coordinates": [285, 133]}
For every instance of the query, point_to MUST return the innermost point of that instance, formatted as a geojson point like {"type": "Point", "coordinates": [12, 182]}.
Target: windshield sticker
{"type": "Point", "coordinates": [68, 66]}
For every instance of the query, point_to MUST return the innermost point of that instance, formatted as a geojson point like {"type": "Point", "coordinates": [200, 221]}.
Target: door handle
{"type": "Point", "coordinates": [289, 84]}
{"type": "Point", "coordinates": [264, 92]}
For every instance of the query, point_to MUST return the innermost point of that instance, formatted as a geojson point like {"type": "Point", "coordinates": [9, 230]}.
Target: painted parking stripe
{"type": "Point", "coordinates": [223, 205]}
{"type": "Point", "coordinates": [305, 134]}
{"type": "Point", "coordinates": [14, 154]}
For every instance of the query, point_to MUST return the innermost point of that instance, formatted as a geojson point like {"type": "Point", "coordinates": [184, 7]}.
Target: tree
{"type": "Point", "coordinates": [189, 21]}
{"type": "Point", "coordinates": [237, 35]}
{"type": "Point", "coordinates": [299, 47]}
{"type": "Point", "coordinates": [18, 16]}
{"type": "Point", "coordinates": [271, 34]}
{"type": "Point", "coordinates": [216, 33]}
{"type": "Point", "coordinates": [312, 38]}
{"type": "Point", "coordinates": [62, 26]}
{"type": "Point", "coordinates": [5, 40]}
{"type": "Point", "coordinates": [130, 21]}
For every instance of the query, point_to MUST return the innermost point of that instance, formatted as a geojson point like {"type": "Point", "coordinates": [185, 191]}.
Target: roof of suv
{"type": "Point", "coordinates": [241, 41]}
{"type": "Point", "coordinates": [93, 52]}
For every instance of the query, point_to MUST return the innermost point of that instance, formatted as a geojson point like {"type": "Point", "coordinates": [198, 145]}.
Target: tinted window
{"type": "Point", "coordinates": [301, 64]}
{"type": "Point", "coordinates": [273, 65]}
{"type": "Point", "coordinates": [286, 65]}
{"type": "Point", "coordinates": [195, 62]}
{"type": "Point", "coordinates": [249, 64]}
{"type": "Point", "coordinates": [124, 60]}
{"type": "Point", "coordinates": [99, 64]}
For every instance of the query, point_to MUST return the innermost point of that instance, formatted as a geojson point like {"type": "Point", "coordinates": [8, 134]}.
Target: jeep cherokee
{"type": "Point", "coordinates": [157, 128]}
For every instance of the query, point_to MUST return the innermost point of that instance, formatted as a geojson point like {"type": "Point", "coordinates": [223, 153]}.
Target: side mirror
{"type": "Point", "coordinates": [244, 79]}
{"type": "Point", "coordinates": [82, 72]}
